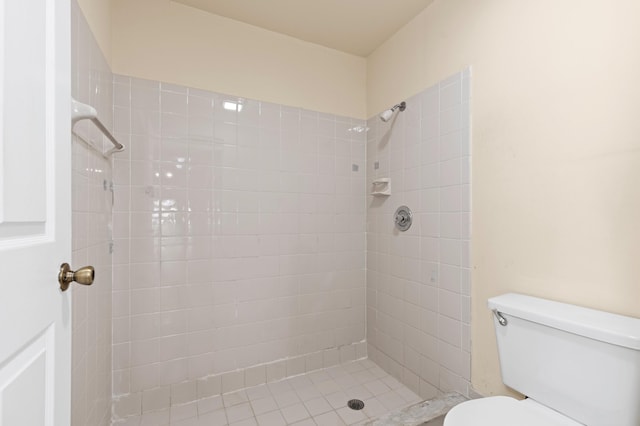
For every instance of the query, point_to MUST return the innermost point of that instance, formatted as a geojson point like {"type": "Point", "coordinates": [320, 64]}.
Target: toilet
{"type": "Point", "coordinates": [576, 366]}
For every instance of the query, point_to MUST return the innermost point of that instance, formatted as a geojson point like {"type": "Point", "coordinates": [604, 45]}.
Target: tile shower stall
{"type": "Point", "coordinates": [239, 235]}
{"type": "Point", "coordinates": [246, 248]}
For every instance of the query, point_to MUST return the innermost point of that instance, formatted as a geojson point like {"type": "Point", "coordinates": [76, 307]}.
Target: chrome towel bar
{"type": "Point", "coordinates": [80, 111]}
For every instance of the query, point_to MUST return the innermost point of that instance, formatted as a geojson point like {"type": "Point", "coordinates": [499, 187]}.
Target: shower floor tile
{"type": "Point", "coordinates": [317, 398]}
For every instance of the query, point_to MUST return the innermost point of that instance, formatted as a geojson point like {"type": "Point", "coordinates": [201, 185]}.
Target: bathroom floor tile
{"type": "Point", "coordinates": [239, 412]}
{"type": "Point", "coordinates": [218, 417]}
{"type": "Point", "coordinates": [317, 406]}
{"type": "Point", "coordinates": [350, 416]}
{"type": "Point", "coordinates": [295, 413]}
{"type": "Point", "coordinates": [263, 405]}
{"type": "Point", "coordinates": [273, 418]}
{"type": "Point", "coordinates": [286, 398]}
{"type": "Point", "coordinates": [316, 398]}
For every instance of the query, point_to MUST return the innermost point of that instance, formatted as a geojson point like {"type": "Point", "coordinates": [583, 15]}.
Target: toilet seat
{"type": "Point", "coordinates": [505, 411]}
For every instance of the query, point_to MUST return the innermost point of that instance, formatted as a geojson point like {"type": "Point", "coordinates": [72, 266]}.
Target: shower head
{"type": "Point", "coordinates": [387, 114]}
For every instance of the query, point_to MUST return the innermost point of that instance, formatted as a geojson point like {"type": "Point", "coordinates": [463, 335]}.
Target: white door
{"type": "Point", "coordinates": [35, 212]}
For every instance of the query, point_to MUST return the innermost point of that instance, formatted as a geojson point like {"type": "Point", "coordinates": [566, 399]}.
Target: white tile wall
{"type": "Point", "coordinates": [91, 311]}
{"type": "Point", "coordinates": [239, 242]}
{"type": "Point", "coordinates": [418, 282]}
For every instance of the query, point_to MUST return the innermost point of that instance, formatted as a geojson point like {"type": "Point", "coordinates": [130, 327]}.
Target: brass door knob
{"type": "Point", "coordinates": [84, 276]}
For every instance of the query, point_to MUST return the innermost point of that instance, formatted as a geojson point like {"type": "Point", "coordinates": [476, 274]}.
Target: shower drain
{"type": "Point", "coordinates": [355, 404]}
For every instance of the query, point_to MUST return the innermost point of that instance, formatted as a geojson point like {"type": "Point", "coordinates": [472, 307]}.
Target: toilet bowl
{"type": "Point", "coordinates": [505, 411]}
{"type": "Point", "coordinates": [577, 366]}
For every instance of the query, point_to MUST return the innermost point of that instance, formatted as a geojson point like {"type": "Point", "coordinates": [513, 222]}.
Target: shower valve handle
{"type": "Point", "coordinates": [403, 218]}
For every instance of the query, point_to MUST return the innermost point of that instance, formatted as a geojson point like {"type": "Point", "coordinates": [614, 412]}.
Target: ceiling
{"type": "Point", "coordinates": [353, 26]}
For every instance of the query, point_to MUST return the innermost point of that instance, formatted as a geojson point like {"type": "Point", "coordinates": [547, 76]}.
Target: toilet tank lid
{"type": "Point", "coordinates": [604, 326]}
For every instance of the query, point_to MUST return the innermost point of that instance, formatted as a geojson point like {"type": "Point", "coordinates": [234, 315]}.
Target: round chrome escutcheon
{"type": "Point", "coordinates": [403, 218]}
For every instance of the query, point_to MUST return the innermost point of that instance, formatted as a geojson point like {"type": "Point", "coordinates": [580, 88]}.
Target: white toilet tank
{"type": "Point", "coordinates": [580, 362]}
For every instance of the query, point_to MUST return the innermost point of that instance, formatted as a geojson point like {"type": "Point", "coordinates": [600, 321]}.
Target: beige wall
{"type": "Point", "coordinates": [167, 41]}
{"type": "Point", "coordinates": [556, 139]}
{"type": "Point", "coordinates": [98, 16]}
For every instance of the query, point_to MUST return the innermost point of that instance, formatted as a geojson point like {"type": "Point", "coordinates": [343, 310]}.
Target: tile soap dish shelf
{"type": "Point", "coordinates": [381, 187]}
